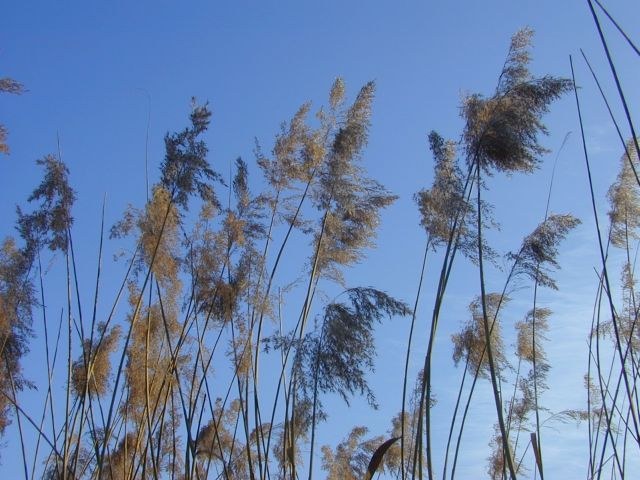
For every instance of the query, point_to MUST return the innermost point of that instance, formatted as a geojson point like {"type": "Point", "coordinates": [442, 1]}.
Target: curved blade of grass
{"type": "Point", "coordinates": [377, 456]}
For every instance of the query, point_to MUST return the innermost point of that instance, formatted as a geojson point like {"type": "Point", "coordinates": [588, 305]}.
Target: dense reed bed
{"type": "Point", "coordinates": [233, 321]}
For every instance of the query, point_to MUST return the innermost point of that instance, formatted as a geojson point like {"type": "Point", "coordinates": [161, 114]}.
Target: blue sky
{"type": "Point", "coordinates": [96, 71]}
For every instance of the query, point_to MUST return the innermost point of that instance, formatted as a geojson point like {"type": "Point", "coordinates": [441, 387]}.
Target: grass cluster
{"type": "Point", "coordinates": [212, 280]}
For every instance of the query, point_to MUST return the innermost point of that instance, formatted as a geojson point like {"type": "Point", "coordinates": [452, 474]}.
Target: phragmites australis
{"type": "Point", "coordinates": [624, 199]}
{"type": "Point", "coordinates": [501, 131]}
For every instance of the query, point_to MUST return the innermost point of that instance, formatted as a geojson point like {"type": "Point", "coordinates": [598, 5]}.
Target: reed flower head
{"type": "Point", "coordinates": [185, 169]}
{"type": "Point", "coordinates": [8, 85]}
{"type": "Point", "coordinates": [343, 351]}
{"type": "Point", "coordinates": [50, 222]}
{"type": "Point", "coordinates": [95, 361]}
{"type": "Point", "coordinates": [539, 251]}
{"type": "Point", "coordinates": [351, 201]}
{"type": "Point", "coordinates": [470, 343]}
{"type": "Point", "coordinates": [624, 199]}
{"type": "Point", "coordinates": [501, 132]}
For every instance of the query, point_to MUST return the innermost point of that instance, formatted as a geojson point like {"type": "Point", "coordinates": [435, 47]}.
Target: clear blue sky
{"type": "Point", "coordinates": [94, 71]}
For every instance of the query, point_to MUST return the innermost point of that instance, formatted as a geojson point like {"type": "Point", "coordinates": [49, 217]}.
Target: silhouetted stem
{"type": "Point", "coordinates": [487, 332]}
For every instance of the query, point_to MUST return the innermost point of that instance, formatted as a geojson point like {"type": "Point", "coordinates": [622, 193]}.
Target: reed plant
{"type": "Point", "coordinates": [234, 321]}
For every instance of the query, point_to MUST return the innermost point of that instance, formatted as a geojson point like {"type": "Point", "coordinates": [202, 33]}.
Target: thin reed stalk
{"type": "Point", "coordinates": [618, 342]}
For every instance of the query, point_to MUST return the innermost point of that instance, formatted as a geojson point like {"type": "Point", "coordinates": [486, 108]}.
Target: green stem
{"type": "Point", "coordinates": [487, 332]}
